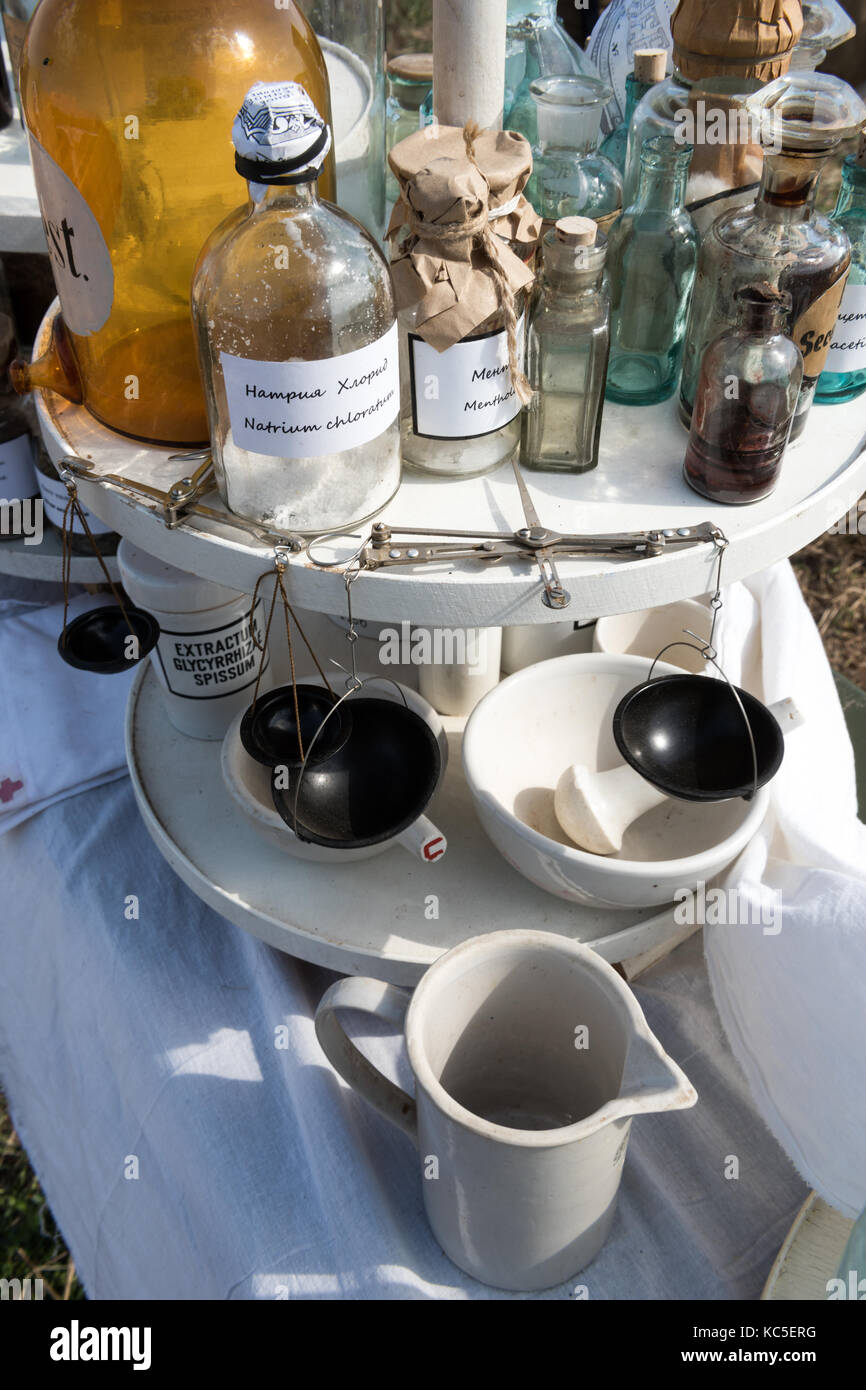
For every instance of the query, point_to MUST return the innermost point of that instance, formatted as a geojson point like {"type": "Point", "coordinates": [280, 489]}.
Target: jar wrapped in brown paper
{"type": "Point", "coordinates": [464, 238]}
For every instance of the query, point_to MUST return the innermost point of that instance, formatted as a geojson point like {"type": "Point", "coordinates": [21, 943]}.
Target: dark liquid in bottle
{"type": "Point", "coordinates": [735, 450]}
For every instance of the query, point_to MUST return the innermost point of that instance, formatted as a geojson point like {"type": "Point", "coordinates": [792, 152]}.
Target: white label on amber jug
{"type": "Point", "coordinates": [219, 661]}
{"type": "Point", "coordinates": [17, 478]}
{"type": "Point", "coordinates": [848, 348]}
{"type": "Point", "coordinates": [80, 259]}
{"type": "Point", "coordinates": [306, 409]}
{"type": "Point", "coordinates": [466, 390]}
{"type": "Point", "coordinates": [55, 497]}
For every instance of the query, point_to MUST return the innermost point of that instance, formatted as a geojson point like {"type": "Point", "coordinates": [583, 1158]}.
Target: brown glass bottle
{"type": "Point", "coordinates": [747, 392]}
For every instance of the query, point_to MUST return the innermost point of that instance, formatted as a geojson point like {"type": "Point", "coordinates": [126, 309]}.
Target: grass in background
{"type": "Point", "coordinates": [31, 1246]}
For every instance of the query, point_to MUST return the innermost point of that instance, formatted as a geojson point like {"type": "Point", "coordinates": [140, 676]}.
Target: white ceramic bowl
{"type": "Point", "coordinates": [647, 631]}
{"type": "Point", "coordinates": [522, 736]}
{"type": "Point", "coordinates": [249, 783]}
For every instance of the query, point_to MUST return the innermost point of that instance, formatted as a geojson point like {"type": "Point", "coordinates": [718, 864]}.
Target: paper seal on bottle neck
{"type": "Point", "coordinates": [279, 136]}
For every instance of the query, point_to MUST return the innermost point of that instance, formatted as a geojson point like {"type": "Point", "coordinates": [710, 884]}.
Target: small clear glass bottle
{"type": "Point", "coordinates": [844, 374]}
{"type": "Point", "coordinates": [652, 256]}
{"type": "Point", "coordinates": [747, 392]}
{"type": "Point", "coordinates": [410, 84]}
{"type": "Point", "coordinates": [649, 68]}
{"type": "Point", "coordinates": [780, 238]}
{"type": "Point", "coordinates": [536, 45]}
{"type": "Point", "coordinates": [566, 351]}
{"type": "Point", "coordinates": [570, 178]}
{"type": "Point", "coordinates": [294, 315]}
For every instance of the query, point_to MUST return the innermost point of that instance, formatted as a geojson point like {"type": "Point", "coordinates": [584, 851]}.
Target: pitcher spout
{"type": "Point", "coordinates": [651, 1080]}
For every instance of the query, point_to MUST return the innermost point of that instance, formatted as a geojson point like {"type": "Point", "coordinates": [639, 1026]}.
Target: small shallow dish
{"type": "Point", "coordinates": [96, 640]}
{"type": "Point", "coordinates": [522, 736]}
{"type": "Point", "coordinates": [249, 783]}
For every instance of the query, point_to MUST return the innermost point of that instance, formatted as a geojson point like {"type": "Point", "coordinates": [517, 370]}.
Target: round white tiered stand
{"type": "Point", "coordinates": [391, 916]}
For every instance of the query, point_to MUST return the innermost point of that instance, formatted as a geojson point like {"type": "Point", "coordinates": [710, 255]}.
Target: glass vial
{"type": "Point", "coordinates": [410, 83]}
{"type": "Point", "coordinates": [747, 392]}
{"type": "Point", "coordinates": [566, 351]}
{"type": "Point", "coordinates": [844, 374]}
{"type": "Point", "coordinates": [570, 178]}
{"type": "Point", "coordinates": [649, 68]}
{"type": "Point", "coordinates": [652, 257]}
{"type": "Point", "coordinates": [297, 336]}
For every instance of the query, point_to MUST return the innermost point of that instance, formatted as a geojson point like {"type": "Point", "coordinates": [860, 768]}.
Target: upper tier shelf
{"type": "Point", "coordinates": [637, 486]}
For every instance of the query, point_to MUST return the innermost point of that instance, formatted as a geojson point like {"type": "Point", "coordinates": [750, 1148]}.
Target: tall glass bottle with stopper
{"type": "Point", "coordinates": [410, 84]}
{"type": "Point", "coordinates": [844, 374]}
{"type": "Point", "coordinates": [747, 392]}
{"type": "Point", "coordinates": [297, 335]}
{"type": "Point", "coordinates": [463, 235]}
{"type": "Point", "coordinates": [570, 178]}
{"type": "Point", "coordinates": [780, 238]}
{"type": "Point", "coordinates": [649, 68]}
{"type": "Point", "coordinates": [566, 351]}
{"type": "Point", "coordinates": [722, 52]}
{"type": "Point", "coordinates": [651, 261]}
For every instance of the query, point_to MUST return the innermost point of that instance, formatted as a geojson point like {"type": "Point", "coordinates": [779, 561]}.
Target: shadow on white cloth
{"type": "Point", "coordinates": [792, 996]}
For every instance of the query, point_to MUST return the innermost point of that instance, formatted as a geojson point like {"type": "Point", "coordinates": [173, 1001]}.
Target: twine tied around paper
{"type": "Point", "coordinates": [478, 229]}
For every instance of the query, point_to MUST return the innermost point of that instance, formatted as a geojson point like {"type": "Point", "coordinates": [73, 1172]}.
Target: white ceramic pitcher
{"type": "Point", "coordinates": [530, 1056]}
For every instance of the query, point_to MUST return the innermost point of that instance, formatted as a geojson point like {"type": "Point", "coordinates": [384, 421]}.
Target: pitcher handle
{"type": "Point", "coordinates": [386, 1002]}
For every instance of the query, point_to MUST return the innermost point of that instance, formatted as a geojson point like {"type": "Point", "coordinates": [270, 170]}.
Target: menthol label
{"type": "Point", "coordinates": [56, 497]}
{"type": "Point", "coordinates": [307, 409]}
{"type": "Point", "coordinates": [207, 665]}
{"type": "Point", "coordinates": [848, 347]}
{"type": "Point", "coordinates": [465, 391]}
{"type": "Point", "coordinates": [17, 474]}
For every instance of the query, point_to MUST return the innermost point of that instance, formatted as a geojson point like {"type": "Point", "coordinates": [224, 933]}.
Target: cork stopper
{"type": "Point", "coordinates": [735, 38]}
{"type": "Point", "coordinates": [412, 67]}
{"type": "Point", "coordinates": [576, 231]}
{"type": "Point", "coordinates": [650, 64]}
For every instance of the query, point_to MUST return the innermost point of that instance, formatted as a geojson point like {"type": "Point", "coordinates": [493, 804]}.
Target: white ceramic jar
{"type": "Point", "coordinates": [205, 659]}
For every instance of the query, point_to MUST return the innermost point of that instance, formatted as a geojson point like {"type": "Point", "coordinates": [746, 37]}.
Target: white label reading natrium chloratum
{"type": "Point", "coordinates": [306, 409]}
{"type": "Point", "coordinates": [466, 390]}
{"type": "Point", "coordinates": [219, 661]}
{"type": "Point", "coordinates": [848, 348]}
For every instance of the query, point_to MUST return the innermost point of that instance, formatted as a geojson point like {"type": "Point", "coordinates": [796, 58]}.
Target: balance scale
{"type": "Point", "coordinates": [409, 911]}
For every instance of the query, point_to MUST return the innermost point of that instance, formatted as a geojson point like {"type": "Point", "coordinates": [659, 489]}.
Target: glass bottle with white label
{"type": "Point", "coordinates": [844, 374]}
{"type": "Point", "coordinates": [297, 335]}
{"type": "Point", "coordinates": [566, 351]}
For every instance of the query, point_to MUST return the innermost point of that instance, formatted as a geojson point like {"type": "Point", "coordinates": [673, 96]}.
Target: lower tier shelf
{"type": "Point", "coordinates": [372, 917]}
{"type": "Point", "coordinates": [44, 561]}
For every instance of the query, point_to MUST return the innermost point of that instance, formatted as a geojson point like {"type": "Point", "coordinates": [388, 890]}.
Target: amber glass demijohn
{"type": "Point", "coordinates": [129, 104]}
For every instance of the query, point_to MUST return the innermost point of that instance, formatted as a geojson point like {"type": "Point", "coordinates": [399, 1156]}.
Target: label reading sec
{"type": "Point", "coordinates": [814, 329]}
{"type": "Point", "coordinates": [306, 409]}
{"type": "Point", "coordinates": [220, 661]}
{"type": "Point", "coordinates": [80, 259]}
{"type": "Point", "coordinates": [848, 348]}
{"type": "Point", "coordinates": [466, 390]}
{"type": "Point", "coordinates": [55, 498]}
{"type": "Point", "coordinates": [17, 478]}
